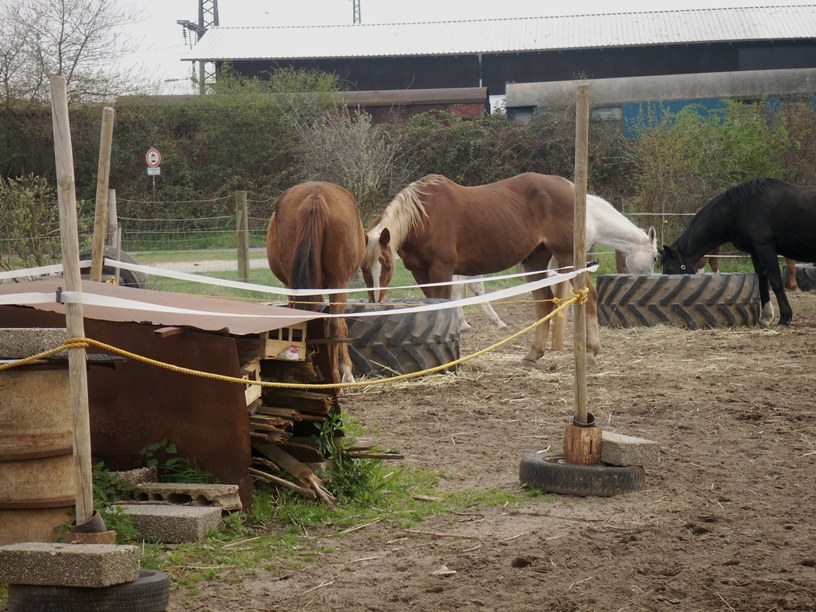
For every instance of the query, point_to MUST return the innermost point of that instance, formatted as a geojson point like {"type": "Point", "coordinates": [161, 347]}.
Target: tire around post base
{"type": "Point", "coordinates": [150, 592]}
{"type": "Point", "coordinates": [549, 473]}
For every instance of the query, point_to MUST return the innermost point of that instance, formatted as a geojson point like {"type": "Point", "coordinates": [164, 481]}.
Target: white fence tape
{"type": "Point", "coordinates": [93, 299]}
{"type": "Point", "coordinates": [40, 271]}
{"type": "Point", "coordinates": [220, 282]}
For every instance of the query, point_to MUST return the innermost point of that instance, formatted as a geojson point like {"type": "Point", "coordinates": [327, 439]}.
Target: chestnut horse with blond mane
{"type": "Point", "coordinates": [440, 228]}
{"type": "Point", "coordinates": [315, 240]}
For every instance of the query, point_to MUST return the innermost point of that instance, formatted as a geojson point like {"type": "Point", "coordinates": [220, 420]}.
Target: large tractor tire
{"type": "Point", "coordinates": [404, 343]}
{"type": "Point", "coordinates": [693, 301]}
{"type": "Point", "coordinates": [805, 277]}
{"type": "Point", "coordinates": [128, 278]}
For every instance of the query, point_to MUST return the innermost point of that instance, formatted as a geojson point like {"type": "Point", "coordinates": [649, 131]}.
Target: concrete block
{"type": "Point", "coordinates": [19, 342]}
{"type": "Point", "coordinates": [173, 524]}
{"type": "Point", "coordinates": [619, 449]}
{"type": "Point", "coordinates": [72, 565]}
{"type": "Point", "coordinates": [135, 477]}
{"type": "Point", "coordinates": [224, 496]}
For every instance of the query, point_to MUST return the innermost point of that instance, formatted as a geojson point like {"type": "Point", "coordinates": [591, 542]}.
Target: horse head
{"type": "Point", "coordinates": [642, 260]}
{"type": "Point", "coordinates": [673, 262]}
{"type": "Point", "coordinates": [378, 264]}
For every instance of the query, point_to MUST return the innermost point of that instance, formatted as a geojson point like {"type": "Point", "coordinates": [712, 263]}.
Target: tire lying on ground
{"type": "Point", "coordinates": [128, 278]}
{"type": "Point", "coordinates": [150, 592]}
{"type": "Point", "coordinates": [403, 343]}
{"type": "Point", "coordinates": [693, 301]}
{"type": "Point", "coordinates": [549, 473]}
{"type": "Point", "coordinates": [805, 277]}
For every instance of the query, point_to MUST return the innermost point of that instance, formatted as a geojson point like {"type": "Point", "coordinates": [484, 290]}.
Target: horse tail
{"type": "Point", "coordinates": [311, 228]}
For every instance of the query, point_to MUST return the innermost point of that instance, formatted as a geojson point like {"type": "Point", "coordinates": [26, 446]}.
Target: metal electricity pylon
{"type": "Point", "coordinates": [207, 18]}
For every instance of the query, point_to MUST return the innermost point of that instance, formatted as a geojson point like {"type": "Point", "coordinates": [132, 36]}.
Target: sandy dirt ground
{"type": "Point", "coordinates": [724, 521]}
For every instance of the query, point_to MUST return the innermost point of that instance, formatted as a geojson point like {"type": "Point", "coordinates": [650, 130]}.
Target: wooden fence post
{"type": "Point", "coordinates": [579, 246]}
{"type": "Point", "coordinates": [102, 178]}
{"type": "Point", "coordinates": [113, 218]}
{"type": "Point", "coordinates": [582, 440]}
{"type": "Point", "coordinates": [242, 227]}
{"type": "Point", "coordinates": [78, 376]}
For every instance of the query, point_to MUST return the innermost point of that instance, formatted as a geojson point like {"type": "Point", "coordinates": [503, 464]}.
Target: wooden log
{"type": "Point", "coordinates": [297, 415]}
{"type": "Point", "coordinates": [276, 437]}
{"type": "Point", "coordinates": [582, 444]}
{"type": "Point", "coordinates": [264, 427]}
{"type": "Point", "coordinates": [362, 443]}
{"type": "Point", "coordinates": [266, 463]}
{"type": "Point", "coordinates": [266, 420]}
{"type": "Point", "coordinates": [242, 229]}
{"type": "Point", "coordinates": [101, 210]}
{"type": "Point", "coordinates": [284, 460]}
{"type": "Point", "coordinates": [287, 413]}
{"type": "Point", "coordinates": [304, 401]}
{"type": "Point", "coordinates": [579, 248]}
{"type": "Point", "coordinates": [282, 482]}
{"type": "Point", "coordinates": [77, 359]}
{"type": "Point", "coordinates": [368, 455]}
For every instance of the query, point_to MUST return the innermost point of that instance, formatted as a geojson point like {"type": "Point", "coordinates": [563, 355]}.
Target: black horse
{"type": "Point", "coordinates": [765, 218]}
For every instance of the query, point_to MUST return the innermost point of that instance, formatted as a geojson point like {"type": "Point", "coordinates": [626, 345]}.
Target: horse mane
{"type": "Point", "coordinates": [747, 190]}
{"type": "Point", "coordinates": [734, 196]}
{"type": "Point", "coordinates": [402, 215]}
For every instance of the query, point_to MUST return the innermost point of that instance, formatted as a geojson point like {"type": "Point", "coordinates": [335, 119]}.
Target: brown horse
{"type": "Point", "coordinates": [440, 228]}
{"type": "Point", "coordinates": [315, 240]}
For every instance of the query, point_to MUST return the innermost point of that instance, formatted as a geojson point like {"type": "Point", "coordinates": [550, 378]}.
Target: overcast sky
{"type": "Point", "coordinates": [161, 42]}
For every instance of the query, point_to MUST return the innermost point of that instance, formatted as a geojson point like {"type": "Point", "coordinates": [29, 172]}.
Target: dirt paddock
{"type": "Point", "coordinates": [724, 522]}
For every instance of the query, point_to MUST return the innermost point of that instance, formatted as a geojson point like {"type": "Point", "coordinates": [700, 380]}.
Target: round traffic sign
{"type": "Point", "coordinates": [153, 158]}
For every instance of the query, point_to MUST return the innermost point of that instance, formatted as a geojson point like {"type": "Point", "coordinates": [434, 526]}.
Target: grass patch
{"type": "Point", "coordinates": [284, 532]}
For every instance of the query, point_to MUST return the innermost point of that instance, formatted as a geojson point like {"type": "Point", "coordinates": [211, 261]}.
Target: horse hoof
{"type": "Point", "coordinates": [464, 326]}
{"type": "Point", "coordinates": [500, 325]}
{"type": "Point", "coordinates": [528, 363]}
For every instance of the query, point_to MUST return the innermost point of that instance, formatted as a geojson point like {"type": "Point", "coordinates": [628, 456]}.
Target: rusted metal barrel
{"type": "Point", "coordinates": [36, 455]}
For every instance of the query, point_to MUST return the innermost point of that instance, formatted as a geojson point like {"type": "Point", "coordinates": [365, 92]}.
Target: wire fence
{"type": "Point", "coordinates": [188, 234]}
{"type": "Point", "coordinates": [223, 230]}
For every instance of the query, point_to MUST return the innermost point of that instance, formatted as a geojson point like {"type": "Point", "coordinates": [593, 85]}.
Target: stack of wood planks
{"type": "Point", "coordinates": [284, 422]}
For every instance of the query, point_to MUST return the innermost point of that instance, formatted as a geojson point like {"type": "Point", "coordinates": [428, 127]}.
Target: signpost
{"type": "Point", "coordinates": [153, 159]}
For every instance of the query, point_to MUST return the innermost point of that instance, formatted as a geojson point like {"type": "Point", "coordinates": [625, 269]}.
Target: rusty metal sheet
{"type": "Point", "coordinates": [254, 318]}
{"type": "Point", "coordinates": [134, 404]}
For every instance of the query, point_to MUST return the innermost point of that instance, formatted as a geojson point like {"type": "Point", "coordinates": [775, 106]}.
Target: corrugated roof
{"type": "Point", "coordinates": [228, 316]}
{"type": "Point", "coordinates": [507, 35]}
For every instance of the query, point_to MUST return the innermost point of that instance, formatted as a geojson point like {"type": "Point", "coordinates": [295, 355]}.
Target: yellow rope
{"type": "Point", "coordinates": [577, 297]}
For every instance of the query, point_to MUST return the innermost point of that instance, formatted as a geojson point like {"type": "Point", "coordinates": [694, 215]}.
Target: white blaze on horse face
{"type": "Point", "coordinates": [376, 270]}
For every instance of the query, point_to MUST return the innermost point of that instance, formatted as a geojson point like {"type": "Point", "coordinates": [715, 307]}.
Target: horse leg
{"type": "Point", "coordinates": [593, 340]}
{"type": "Point", "coordinates": [791, 267]}
{"type": "Point", "coordinates": [770, 263]}
{"type": "Point", "coordinates": [543, 303]}
{"type": "Point", "coordinates": [479, 289]}
{"type": "Point", "coordinates": [714, 261]}
{"type": "Point", "coordinates": [457, 293]}
{"type": "Point", "coordinates": [766, 311]}
{"type": "Point", "coordinates": [435, 274]}
{"type": "Point", "coordinates": [543, 299]}
{"type": "Point", "coordinates": [339, 358]}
